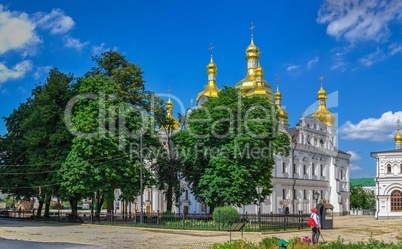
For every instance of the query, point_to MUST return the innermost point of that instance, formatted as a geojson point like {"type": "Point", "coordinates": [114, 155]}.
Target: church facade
{"type": "Point", "coordinates": [388, 189]}
{"type": "Point", "coordinates": [316, 171]}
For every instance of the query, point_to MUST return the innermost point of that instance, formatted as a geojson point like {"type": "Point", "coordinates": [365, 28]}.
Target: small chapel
{"type": "Point", "coordinates": [388, 188]}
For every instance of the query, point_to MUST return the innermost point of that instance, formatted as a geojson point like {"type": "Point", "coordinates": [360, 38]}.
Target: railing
{"type": "Point", "coordinates": [254, 222]}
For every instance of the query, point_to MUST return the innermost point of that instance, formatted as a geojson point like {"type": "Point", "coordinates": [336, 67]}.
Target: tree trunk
{"type": "Point", "coordinates": [99, 203]}
{"type": "Point", "coordinates": [211, 209]}
{"type": "Point", "coordinates": [169, 198]}
{"type": "Point", "coordinates": [47, 207]}
{"type": "Point", "coordinates": [74, 209]}
{"type": "Point", "coordinates": [109, 208]}
{"type": "Point", "coordinates": [39, 212]}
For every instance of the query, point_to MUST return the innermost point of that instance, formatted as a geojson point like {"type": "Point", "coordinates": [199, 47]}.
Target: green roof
{"type": "Point", "coordinates": [364, 182]}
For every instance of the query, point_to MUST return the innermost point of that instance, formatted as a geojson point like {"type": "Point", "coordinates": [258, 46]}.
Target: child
{"type": "Point", "coordinates": [315, 229]}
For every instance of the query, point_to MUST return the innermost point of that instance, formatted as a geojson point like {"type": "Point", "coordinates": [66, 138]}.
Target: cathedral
{"type": "Point", "coordinates": [315, 171]}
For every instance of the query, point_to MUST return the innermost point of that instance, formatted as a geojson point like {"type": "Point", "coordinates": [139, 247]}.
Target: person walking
{"type": "Point", "coordinates": [315, 229]}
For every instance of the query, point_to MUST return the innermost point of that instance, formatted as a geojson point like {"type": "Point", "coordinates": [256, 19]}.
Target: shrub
{"type": "Point", "coordinates": [236, 244]}
{"type": "Point", "coordinates": [226, 215]}
{"type": "Point", "coordinates": [269, 243]}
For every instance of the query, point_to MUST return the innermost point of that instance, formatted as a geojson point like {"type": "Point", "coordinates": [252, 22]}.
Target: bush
{"type": "Point", "coordinates": [269, 243]}
{"type": "Point", "coordinates": [226, 215]}
{"type": "Point", "coordinates": [235, 245]}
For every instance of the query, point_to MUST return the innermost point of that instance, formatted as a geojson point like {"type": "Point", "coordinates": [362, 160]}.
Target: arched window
{"type": "Point", "coordinates": [396, 201]}
{"type": "Point", "coordinates": [400, 166]}
{"type": "Point", "coordinates": [388, 168]}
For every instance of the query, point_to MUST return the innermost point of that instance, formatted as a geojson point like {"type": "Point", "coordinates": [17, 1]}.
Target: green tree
{"type": "Point", "coordinates": [167, 165]}
{"type": "Point", "coordinates": [38, 140]}
{"type": "Point", "coordinates": [97, 162]}
{"type": "Point", "coordinates": [227, 148]}
{"type": "Point", "coordinates": [361, 198]}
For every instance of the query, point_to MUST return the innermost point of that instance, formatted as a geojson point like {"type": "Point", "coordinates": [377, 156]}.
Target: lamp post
{"type": "Point", "coordinates": [258, 189]}
{"type": "Point", "coordinates": [141, 187]}
{"type": "Point", "coordinates": [316, 195]}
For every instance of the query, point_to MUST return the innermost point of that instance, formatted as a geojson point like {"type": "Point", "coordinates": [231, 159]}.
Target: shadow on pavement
{"type": "Point", "coordinates": [17, 244]}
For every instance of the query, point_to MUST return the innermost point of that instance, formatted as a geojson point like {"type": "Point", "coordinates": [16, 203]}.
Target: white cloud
{"type": "Point", "coordinates": [292, 67]}
{"type": "Point", "coordinates": [372, 58]}
{"type": "Point", "coordinates": [22, 89]}
{"type": "Point", "coordinates": [75, 43]}
{"type": "Point", "coordinates": [312, 62]}
{"type": "Point", "coordinates": [98, 50]}
{"type": "Point", "coordinates": [5, 91]}
{"type": "Point", "coordinates": [355, 167]}
{"type": "Point", "coordinates": [56, 21]}
{"type": "Point", "coordinates": [354, 156]}
{"type": "Point", "coordinates": [40, 71]}
{"type": "Point", "coordinates": [17, 31]}
{"type": "Point", "coordinates": [359, 20]}
{"type": "Point", "coordinates": [395, 48]}
{"type": "Point", "coordinates": [17, 72]}
{"type": "Point", "coordinates": [339, 64]}
{"type": "Point", "coordinates": [372, 129]}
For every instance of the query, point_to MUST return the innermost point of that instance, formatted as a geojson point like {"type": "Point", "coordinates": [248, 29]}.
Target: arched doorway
{"type": "Point", "coordinates": [396, 201]}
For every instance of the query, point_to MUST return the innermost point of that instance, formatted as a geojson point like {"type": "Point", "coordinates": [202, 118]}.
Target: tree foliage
{"type": "Point", "coordinates": [227, 148]}
{"type": "Point", "coordinates": [38, 140]}
{"type": "Point", "coordinates": [361, 198]}
{"type": "Point", "coordinates": [81, 135]}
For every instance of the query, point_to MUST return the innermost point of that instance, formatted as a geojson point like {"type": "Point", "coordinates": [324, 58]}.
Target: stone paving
{"type": "Point", "coordinates": [348, 228]}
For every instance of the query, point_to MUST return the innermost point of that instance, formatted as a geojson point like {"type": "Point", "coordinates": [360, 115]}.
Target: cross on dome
{"type": "Point", "coordinates": [321, 78]}
{"type": "Point", "coordinates": [252, 27]}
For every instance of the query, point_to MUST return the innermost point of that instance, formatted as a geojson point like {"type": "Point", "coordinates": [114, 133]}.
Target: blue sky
{"type": "Point", "coordinates": [356, 45]}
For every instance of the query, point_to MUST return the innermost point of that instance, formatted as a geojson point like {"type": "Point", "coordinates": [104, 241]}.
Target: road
{"type": "Point", "coordinates": [35, 234]}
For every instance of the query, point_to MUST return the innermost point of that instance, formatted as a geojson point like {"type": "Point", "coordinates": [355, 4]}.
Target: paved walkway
{"type": "Point", "coordinates": [349, 228]}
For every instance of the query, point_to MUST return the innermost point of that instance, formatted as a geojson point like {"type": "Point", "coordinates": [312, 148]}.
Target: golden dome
{"type": "Point", "coordinates": [258, 83]}
{"type": "Point", "coordinates": [169, 104]}
{"type": "Point", "coordinates": [257, 90]}
{"type": "Point", "coordinates": [211, 90]}
{"type": "Point", "coordinates": [259, 72]}
{"type": "Point", "coordinates": [282, 113]}
{"type": "Point", "coordinates": [325, 116]}
{"type": "Point", "coordinates": [398, 137]}
{"type": "Point", "coordinates": [284, 116]}
{"type": "Point", "coordinates": [248, 85]}
{"type": "Point", "coordinates": [252, 51]}
{"type": "Point", "coordinates": [278, 95]}
{"type": "Point", "coordinates": [169, 109]}
{"type": "Point", "coordinates": [322, 94]}
{"type": "Point", "coordinates": [211, 67]}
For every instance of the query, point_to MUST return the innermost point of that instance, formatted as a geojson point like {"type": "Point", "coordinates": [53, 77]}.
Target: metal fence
{"type": "Point", "coordinates": [253, 222]}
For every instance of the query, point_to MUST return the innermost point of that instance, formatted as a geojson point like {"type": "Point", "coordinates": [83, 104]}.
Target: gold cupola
{"type": "Point", "coordinates": [252, 51]}
{"type": "Point", "coordinates": [258, 89]}
{"type": "Point", "coordinates": [398, 136]}
{"type": "Point", "coordinates": [325, 116]}
{"type": "Point", "coordinates": [283, 115]}
{"type": "Point", "coordinates": [169, 116]}
{"type": "Point", "coordinates": [211, 90]}
{"type": "Point", "coordinates": [248, 85]}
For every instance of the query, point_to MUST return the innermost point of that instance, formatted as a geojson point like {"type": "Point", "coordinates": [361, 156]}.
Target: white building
{"type": "Point", "coordinates": [316, 170]}
{"type": "Point", "coordinates": [389, 181]}
{"type": "Point", "coordinates": [314, 165]}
